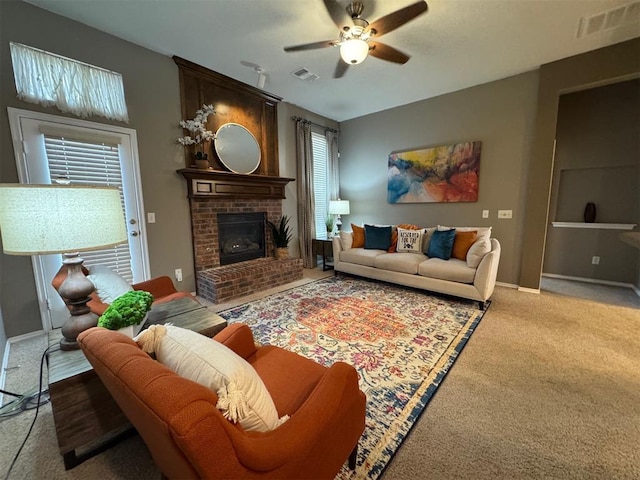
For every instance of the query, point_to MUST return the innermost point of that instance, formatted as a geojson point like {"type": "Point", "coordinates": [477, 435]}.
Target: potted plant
{"type": "Point", "coordinates": [127, 313]}
{"type": "Point", "coordinates": [199, 135]}
{"type": "Point", "coordinates": [281, 234]}
{"type": "Point", "coordinates": [329, 224]}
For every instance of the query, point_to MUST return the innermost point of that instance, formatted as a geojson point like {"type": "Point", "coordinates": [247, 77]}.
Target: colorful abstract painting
{"type": "Point", "coordinates": [448, 173]}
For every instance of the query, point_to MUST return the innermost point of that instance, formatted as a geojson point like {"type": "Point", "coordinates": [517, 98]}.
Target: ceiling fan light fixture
{"type": "Point", "coordinates": [354, 51]}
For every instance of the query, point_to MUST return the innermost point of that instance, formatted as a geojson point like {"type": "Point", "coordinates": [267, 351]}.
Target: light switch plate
{"type": "Point", "coordinates": [151, 218]}
{"type": "Point", "coordinates": [505, 213]}
{"type": "Point", "coordinates": [485, 213]}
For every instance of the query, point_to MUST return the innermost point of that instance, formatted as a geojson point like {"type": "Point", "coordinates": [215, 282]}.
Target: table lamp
{"type": "Point", "coordinates": [337, 208]}
{"type": "Point", "coordinates": [45, 219]}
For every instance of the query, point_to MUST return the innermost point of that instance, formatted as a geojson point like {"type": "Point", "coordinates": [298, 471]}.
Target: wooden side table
{"type": "Point", "coordinates": [324, 247]}
{"type": "Point", "coordinates": [83, 409]}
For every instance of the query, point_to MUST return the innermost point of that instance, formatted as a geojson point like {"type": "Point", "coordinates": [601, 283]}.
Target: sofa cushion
{"type": "Point", "coordinates": [453, 270]}
{"type": "Point", "coordinates": [109, 285]}
{"type": "Point", "coordinates": [361, 256]}
{"type": "Point", "coordinates": [346, 240]}
{"type": "Point", "coordinates": [480, 247]}
{"type": "Point", "coordinates": [394, 235]}
{"type": "Point", "coordinates": [462, 244]}
{"type": "Point", "coordinates": [377, 238]}
{"type": "Point", "coordinates": [441, 244]}
{"type": "Point", "coordinates": [426, 238]}
{"type": "Point", "coordinates": [478, 250]}
{"type": "Point", "coordinates": [242, 396]}
{"type": "Point", "coordinates": [410, 240]}
{"type": "Point", "coordinates": [358, 236]}
{"type": "Point", "coordinates": [399, 262]}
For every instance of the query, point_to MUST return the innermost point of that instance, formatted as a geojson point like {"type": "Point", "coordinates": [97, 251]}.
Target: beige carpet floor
{"type": "Point", "coordinates": [547, 387]}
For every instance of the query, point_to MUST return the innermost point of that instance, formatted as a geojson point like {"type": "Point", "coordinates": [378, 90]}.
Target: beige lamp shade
{"type": "Point", "coordinates": [339, 207]}
{"type": "Point", "coordinates": [42, 219]}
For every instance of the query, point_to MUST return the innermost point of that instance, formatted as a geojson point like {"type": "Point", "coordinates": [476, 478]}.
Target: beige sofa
{"type": "Point", "coordinates": [453, 277]}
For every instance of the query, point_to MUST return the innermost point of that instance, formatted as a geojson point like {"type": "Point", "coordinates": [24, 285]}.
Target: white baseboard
{"type": "Point", "coordinates": [506, 285]}
{"type": "Point", "coordinates": [3, 372]}
{"type": "Point", "coordinates": [5, 359]}
{"type": "Point", "coordinates": [529, 290]}
{"type": "Point", "coordinates": [594, 280]}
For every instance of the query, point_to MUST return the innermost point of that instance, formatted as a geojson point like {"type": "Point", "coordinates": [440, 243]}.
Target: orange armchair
{"type": "Point", "coordinates": [161, 288]}
{"type": "Point", "coordinates": [189, 438]}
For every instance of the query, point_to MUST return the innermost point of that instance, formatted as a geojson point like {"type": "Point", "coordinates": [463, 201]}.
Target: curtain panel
{"type": "Point", "coordinates": [334, 168]}
{"type": "Point", "coordinates": [74, 87]}
{"type": "Point", "coordinates": [306, 221]}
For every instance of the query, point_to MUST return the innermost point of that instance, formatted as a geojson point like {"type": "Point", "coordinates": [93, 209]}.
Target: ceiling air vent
{"type": "Point", "coordinates": [304, 74]}
{"type": "Point", "coordinates": [616, 17]}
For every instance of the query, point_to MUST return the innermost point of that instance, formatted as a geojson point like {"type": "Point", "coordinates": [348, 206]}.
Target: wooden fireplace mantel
{"type": "Point", "coordinates": [219, 184]}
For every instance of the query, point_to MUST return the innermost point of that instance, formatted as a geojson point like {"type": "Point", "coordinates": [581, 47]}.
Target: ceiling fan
{"type": "Point", "coordinates": [357, 35]}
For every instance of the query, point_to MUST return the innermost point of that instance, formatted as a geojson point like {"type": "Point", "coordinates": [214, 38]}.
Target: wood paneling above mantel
{"type": "Point", "coordinates": [218, 184]}
{"type": "Point", "coordinates": [234, 102]}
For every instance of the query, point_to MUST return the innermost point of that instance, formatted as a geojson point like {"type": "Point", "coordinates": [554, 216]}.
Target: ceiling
{"type": "Point", "coordinates": [457, 44]}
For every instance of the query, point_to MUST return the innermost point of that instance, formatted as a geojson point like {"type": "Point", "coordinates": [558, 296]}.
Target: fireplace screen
{"type": "Point", "coordinates": [241, 236]}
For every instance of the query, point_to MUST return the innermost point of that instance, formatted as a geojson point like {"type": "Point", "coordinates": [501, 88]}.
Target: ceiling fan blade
{"type": "Point", "coordinates": [311, 46]}
{"type": "Point", "coordinates": [341, 68]}
{"type": "Point", "coordinates": [385, 52]}
{"type": "Point", "coordinates": [338, 14]}
{"type": "Point", "coordinates": [398, 18]}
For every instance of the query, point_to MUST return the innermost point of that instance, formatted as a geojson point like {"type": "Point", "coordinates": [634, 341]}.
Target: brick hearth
{"type": "Point", "coordinates": [244, 278]}
{"type": "Point", "coordinates": [218, 283]}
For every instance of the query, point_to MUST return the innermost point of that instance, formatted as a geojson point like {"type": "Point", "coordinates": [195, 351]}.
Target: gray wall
{"type": "Point", "coordinates": [153, 97]}
{"type": "Point", "coordinates": [151, 89]}
{"type": "Point", "coordinates": [500, 114]}
{"type": "Point", "coordinates": [597, 160]}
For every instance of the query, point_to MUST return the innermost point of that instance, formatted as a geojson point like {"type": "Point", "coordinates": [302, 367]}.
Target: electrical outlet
{"type": "Point", "coordinates": [505, 213]}
{"type": "Point", "coordinates": [151, 218]}
{"type": "Point", "coordinates": [485, 213]}
{"type": "Point", "coordinates": [178, 273]}
{"type": "Point", "coordinates": [595, 260]}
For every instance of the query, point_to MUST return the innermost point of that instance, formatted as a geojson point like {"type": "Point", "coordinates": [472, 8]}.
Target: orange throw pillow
{"type": "Point", "coordinates": [462, 244]}
{"type": "Point", "coordinates": [394, 235]}
{"type": "Point", "coordinates": [358, 236]}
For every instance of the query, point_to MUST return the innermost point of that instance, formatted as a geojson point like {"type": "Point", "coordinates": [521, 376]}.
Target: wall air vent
{"type": "Point", "coordinates": [614, 18]}
{"type": "Point", "coordinates": [304, 74]}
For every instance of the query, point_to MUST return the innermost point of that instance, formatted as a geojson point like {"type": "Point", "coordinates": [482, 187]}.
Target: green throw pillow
{"type": "Point", "coordinates": [441, 244]}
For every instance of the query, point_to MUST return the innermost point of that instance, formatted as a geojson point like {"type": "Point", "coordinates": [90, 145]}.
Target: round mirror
{"type": "Point", "coordinates": [237, 148]}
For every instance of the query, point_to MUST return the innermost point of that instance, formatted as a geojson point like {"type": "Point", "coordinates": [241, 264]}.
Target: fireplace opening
{"type": "Point", "coordinates": [241, 236]}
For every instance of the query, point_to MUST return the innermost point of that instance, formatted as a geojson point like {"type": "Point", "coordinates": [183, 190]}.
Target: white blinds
{"type": "Point", "coordinates": [48, 79]}
{"type": "Point", "coordinates": [90, 163]}
{"type": "Point", "coordinates": [320, 182]}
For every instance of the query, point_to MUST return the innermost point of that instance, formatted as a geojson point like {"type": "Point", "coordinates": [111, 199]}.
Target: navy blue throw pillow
{"type": "Point", "coordinates": [378, 238]}
{"type": "Point", "coordinates": [441, 244]}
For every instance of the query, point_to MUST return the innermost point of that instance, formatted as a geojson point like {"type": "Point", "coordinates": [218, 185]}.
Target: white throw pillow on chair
{"type": "Point", "coordinates": [242, 395]}
{"type": "Point", "coordinates": [109, 285]}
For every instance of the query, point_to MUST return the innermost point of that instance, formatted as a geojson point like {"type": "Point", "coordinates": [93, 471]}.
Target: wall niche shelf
{"type": "Point", "coordinates": [599, 226]}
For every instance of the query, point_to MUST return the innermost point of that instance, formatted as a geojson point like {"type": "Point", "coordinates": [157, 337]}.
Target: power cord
{"type": "Point", "coordinates": [25, 401]}
{"type": "Point", "coordinates": [35, 417]}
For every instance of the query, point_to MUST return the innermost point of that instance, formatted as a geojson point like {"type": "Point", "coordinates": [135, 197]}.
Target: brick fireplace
{"type": "Point", "coordinates": [217, 282]}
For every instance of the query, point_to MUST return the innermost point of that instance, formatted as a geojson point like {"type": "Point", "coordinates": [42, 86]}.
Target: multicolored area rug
{"type": "Point", "coordinates": [402, 342]}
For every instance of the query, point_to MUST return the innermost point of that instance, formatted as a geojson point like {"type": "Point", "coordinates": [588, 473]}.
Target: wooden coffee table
{"type": "Point", "coordinates": [87, 419]}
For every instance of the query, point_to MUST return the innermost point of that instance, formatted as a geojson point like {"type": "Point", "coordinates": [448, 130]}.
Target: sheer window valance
{"type": "Point", "coordinates": [75, 87]}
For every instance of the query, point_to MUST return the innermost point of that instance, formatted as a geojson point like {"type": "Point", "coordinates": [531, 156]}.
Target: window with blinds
{"type": "Point", "coordinates": [320, 182]}
{"type": "Point", "coordinates": [90, 163]}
